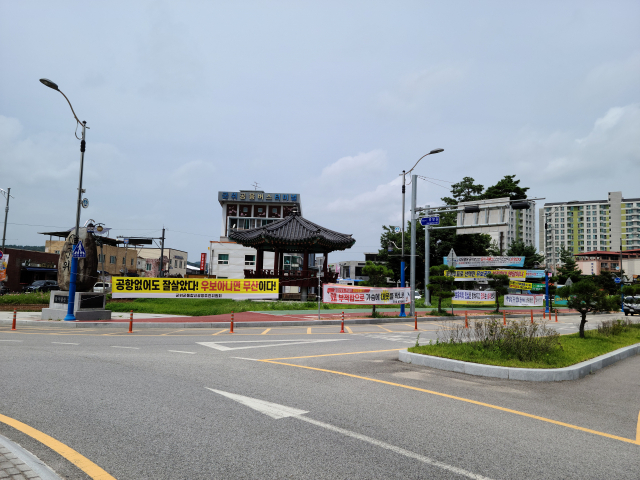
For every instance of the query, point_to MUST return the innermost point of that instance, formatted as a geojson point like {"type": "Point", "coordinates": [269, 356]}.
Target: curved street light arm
{"type": "Point", "coordinates": [72, 111]}
{"type": "Point", "coordinates": [418, 161]}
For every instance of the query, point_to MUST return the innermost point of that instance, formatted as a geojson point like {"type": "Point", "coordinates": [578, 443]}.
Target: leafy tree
{"type": "Point", "coordinates": [507, 187]}
{"type": "Point", "coordinates": [519, 249]}
{"type": "Point", "coordinates": [500, 284]}
{"type": "Point", "coordinates": [464, 191]}
{"type": "Point", "coordinates": [585, 297]}
{"type": "Point", "coordinates": [378, 275]}
{"type": "Point", "coordinates": [441, 286]}
{"type": "Point", "coordinates": [606, 281]}
{"type": "Point", "coordinates": [569, 267]}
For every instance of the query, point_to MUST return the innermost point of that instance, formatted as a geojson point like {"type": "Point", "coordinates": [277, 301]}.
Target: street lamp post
{"type": "Point", "coordinates": [402, 267]}
{"type": "Point", "coordinates": [74, 261]}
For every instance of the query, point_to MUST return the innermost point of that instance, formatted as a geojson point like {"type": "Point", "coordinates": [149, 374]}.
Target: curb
{"type": "Point", "coordinates": [573, 372]}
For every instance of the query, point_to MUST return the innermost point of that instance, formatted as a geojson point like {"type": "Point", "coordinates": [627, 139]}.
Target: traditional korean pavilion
{"type": "Point", "coordinates": [292, 234]}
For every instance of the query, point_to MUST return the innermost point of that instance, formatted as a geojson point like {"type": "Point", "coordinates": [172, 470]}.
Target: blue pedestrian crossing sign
{"type": "Point", "coordinates": [79, 251]}
{"type": "Point", "coordinates": [430, 221]}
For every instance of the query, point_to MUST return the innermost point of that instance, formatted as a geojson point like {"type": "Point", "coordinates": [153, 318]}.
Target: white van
{"type": "Point", "coordinates": [102, 287]}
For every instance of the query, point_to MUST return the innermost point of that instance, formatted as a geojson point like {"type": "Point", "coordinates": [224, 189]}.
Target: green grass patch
{"type": "Point", "coordinates": [573, 350]}
{"type": "Point", "coordinates": [36, 298]}
{"type": "Point", "coordinates": [200, 307]}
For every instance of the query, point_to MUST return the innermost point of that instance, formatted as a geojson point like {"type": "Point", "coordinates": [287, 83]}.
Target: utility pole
{"type": "Point", "coordinates": [402, 282]}
{"type": "Point", "coordinates": [6, 213]}
{"type": "Point", "coordinates": [162, 255]}
{"type": "Point", "coordinates": [414, 188]}
{"type": "Point", "coordinates": [621, 278]}
{"type": "Point", "coordinates": [427, 258]}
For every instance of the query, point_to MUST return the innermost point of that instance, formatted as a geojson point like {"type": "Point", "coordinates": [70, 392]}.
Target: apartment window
{"type": "Point", "coordinates": [100, 258]}
{"type": "Point", "coordinates": [112, 259]}
{"type": "Point", "coordinates": [588, 243]}
{"type": "Point", "coordinates": [223, 259]}
{"type": "Point", "coordinates": [124, 260]}
{"type": "Point", "coordinates": [628, 205]}
{"type": "Point", "coordinates": [249, 259]}
{"type": "Point", "coordinates": [175, 263]}
{"type": "Point", "coordinates": [180, 263]}
{"type": "Point", "coordinates": [148, 267]}
{"type": "Point", "coordinates": [588, 236]}
{"type": "Point", "coordinates": [132, 262]}
{"type": "Point", "coordinates": [58, 252]}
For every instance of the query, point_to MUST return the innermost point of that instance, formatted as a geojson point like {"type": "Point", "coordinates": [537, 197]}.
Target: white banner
{"type": "Point", "coordinates": [524, 300]}
{"type": "Point", "coordinates": [473, 297]}
{"type": "Point", "coordinates": [483, 262]}
{"type": "Point", "coordinates": [334, 293]}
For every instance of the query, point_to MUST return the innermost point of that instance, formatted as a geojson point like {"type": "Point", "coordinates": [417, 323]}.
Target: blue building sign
{"type": "Point", "coordinates": [256, 196]}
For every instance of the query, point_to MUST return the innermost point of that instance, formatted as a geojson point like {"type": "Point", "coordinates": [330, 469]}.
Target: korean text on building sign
{"type": "Point", "coordinates": [473, 297]}
{"type": "Point", "coordinates": [333, 293]}
{"type": "Point", "coordinates": [482, 274]}
{"type": "Point", "coordinates": [259, 196]}
{"type": "Point", "coordinates": [126, 287]}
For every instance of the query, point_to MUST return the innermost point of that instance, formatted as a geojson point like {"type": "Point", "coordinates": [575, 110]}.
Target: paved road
{"type": "Point", "coordinates": [143, 405]}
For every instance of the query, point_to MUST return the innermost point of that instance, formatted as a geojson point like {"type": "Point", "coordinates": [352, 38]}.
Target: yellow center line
{"type": "Point", "coordinates": [309, 331]}
{"type": "Point", "coordinates": [174, 331]}
{"type": "Point", "coordinates": [331, 354]}
{"type": "Point", "coordinates": [468, 400]}
{"type": "Point", "coordinates": [223, 330]}
{"type": "Point", "coordinates": [80, 461]}
{"type": "Point", "coordinates": [348, 329]}
{"type": "Point", "coordinates": [265, 332]}
{"type": "Point", "coordinates": [638, 430]}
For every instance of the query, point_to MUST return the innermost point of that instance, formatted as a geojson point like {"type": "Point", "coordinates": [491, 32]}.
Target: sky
{"type": "Point", "coordinates": [331, 100]}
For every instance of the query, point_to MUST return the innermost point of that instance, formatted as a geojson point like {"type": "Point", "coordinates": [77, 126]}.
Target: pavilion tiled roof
{"type": "Point", "coordinates": [293, 233]}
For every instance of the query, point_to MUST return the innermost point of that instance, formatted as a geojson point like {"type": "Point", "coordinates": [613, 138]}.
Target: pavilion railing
{"type": "Point", "coordinates": [292, 277]}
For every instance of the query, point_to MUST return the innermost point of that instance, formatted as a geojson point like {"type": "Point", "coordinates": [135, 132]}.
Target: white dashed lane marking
{"type": "Point", "coordinates": [180, 351]}
{"type": "Point", "coordinates": [65, 343]}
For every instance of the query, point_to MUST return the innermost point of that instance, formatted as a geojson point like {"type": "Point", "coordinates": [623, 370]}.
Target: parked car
{"type": "Point", "coordinates": [41, 286]}
{"type": "Point", "coordinates": [631, 305]}
{"type": "Point", "coordinates": [4, 290]}
{"type": "Point", "coordinates": [101, 287]}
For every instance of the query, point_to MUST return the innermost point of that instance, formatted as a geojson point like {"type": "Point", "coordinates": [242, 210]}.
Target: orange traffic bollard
{"type": "Point", "coordinates": [231, 325]}
{"type": "Point", "coordinates": [13, 325]}
{"type": "Point", "coordinates": [504, 319]}
{"type": "Point", "coordinates": [416, 318]}
{"type": "Point", "coordinates": [544, 312]}
{"type": "Point", "coordinates": [342, 324]}
{"type": "Point", "coordinates": [531, 316]}
{"type": "Point", "coordinates": [131, 322]}
{"type": "Point", "coordinates": [466, 321]}
{"type": "Point", "coordinates": [556, 315]}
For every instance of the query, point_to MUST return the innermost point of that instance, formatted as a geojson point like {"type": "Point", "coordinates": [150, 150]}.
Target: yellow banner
{"type": "Point", "coordinates": [141, 287]}
{"type": "Point", "coordinates": [521, 285]}
{"type": "Point", "coordinates": [482, 274]}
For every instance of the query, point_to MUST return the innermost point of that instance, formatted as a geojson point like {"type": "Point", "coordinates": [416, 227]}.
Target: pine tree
{"type": "Point", "coordinates": [569, 267]}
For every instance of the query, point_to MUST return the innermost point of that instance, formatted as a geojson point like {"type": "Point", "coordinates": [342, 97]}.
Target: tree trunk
{"type": "Point", "coordinates": [373, 310]}
{"type": "Point", "coordinates": [497, 303]}
{"type": "Point", "coordinates": [582, 322]}
{"type": "Point", "coordinates": [439, 304]}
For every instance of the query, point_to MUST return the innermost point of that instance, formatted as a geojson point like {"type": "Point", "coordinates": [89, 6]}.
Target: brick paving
{"type": "Point", "coordinates": [12, 467]}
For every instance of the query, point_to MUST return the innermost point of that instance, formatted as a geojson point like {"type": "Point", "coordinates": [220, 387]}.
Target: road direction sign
{"type": "Point", "coordinates": [617, 280]}
{"type": "Point", "coordinates": [79, 251]}
{"type": "Point", "coordinates": [85, 202]}
{"type": "Point", "coordinates": [430, 221]}
{"type": "Point", "coordinates": [125, 241]}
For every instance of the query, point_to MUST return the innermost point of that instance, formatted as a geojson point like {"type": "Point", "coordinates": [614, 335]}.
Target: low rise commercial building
{"type": "Point", "coordinates": [593, 263]}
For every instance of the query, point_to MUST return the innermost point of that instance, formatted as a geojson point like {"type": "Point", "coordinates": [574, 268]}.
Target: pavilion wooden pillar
{"type": "Point", "coordinates": [259, 261]}
{"type": "Point", "coordinates": [304, 291]}
{"type": "Point", "coordinates": [326, 263]}
{"type": "Point", "coordinates": [276, 262]}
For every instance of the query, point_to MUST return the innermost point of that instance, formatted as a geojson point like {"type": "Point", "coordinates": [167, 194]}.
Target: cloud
{"type": "Point", "coordinates": [611, 79]}
{"type": "Point", "coordinates": [414, 89]}
{"type": "Point", "coordinates": [362, 163]}
{"type": "Point", "coordinates": [193, 173]}
{"type": "Point", "coordinates": [611, 147]}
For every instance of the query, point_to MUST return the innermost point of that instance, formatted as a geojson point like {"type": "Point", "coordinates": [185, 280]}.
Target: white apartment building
{"type": "Point", "coordinates": [244, 210]}
{"type": "Point", "coordinates": [498, 219]}
{"type": "Point", "coordinates": [590, 225]}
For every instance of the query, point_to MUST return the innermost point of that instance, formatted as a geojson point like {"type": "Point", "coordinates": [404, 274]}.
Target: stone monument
{"type": "Point", "coordinates": [87, 304]}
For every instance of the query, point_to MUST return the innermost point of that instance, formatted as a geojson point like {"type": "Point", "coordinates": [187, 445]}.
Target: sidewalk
{"type": "Point", "coordinates": [18, 464]}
